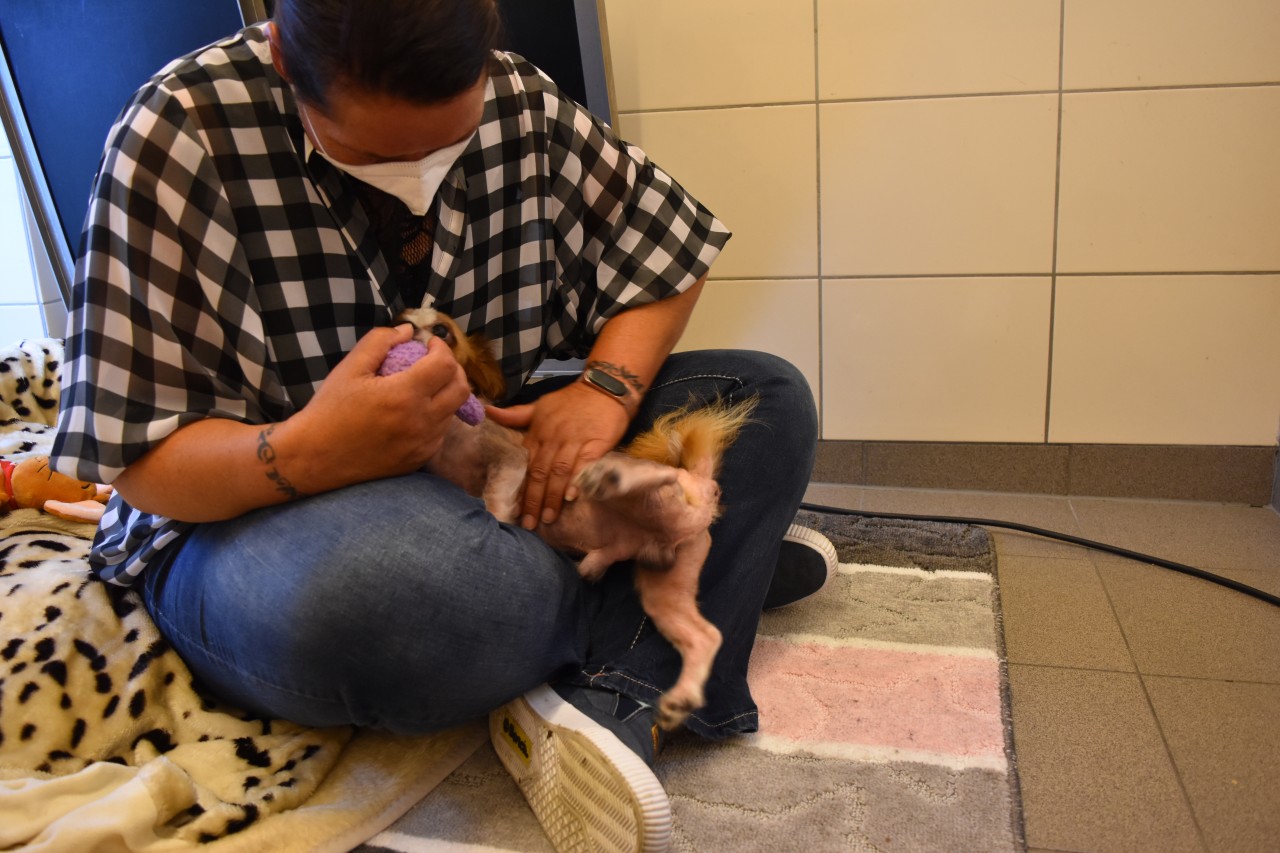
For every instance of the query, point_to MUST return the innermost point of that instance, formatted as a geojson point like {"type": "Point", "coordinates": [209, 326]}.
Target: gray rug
{"type": "Point", "coordinates": [884, 721]}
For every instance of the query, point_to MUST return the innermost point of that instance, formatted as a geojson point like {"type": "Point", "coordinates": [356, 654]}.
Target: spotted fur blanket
{"type": "Point", "coordinates": [105, 740]}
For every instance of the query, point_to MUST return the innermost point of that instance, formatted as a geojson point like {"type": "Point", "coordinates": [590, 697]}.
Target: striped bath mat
{"type": "Point", "coordinates": [884, 721]}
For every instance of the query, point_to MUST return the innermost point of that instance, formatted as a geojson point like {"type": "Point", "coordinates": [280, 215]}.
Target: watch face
{"type": "Point", "coordinates": [605, 382]}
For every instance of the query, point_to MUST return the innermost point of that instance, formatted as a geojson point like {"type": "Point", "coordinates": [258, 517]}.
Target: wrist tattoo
{"type": "Point", "coordinates": [618, 372]}
{"type": "Point", "coordinates": [267, 456]}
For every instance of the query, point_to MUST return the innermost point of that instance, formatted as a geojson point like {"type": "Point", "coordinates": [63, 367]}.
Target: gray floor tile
{"type": "Point", "coordinates": [1209, 536]}
{"type": "Point", "coordinates": [834, 494]}
{"type": "Point", "coordinates": [1049, 512]}
{"type": "Point", "coordinates": [1263, 581]}
{"type": "Point", "coordinates": [1225, 743]}
{"type": "Point", "coordinates": [1094, 771]}
{"type": "Point", "coordinates": [1183, 626]}
{"type": "Point", "coordinates": [1056, 613]}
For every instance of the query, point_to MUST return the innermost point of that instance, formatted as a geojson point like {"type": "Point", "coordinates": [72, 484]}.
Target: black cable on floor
{"type": "Point", "coordinates": [1065, 537]}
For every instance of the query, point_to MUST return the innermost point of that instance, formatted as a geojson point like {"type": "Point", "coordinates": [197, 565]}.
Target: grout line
{"type": "Point", "coordinates": [1198, 678]}
{"type": "Point", "coordinates": [953, 96]}
{"type": "Point", "coordinates": [1057, 214]}
{"type": "Point", "coordinates": [1146, 694]}
{"type": "Point", "coordinates": [817, 144]}
{"type": "Point", "coordinates": [969, 275]}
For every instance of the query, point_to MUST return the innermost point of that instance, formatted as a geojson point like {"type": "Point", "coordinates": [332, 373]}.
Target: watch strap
{"type": "Point", "coordinates": [612, 387]}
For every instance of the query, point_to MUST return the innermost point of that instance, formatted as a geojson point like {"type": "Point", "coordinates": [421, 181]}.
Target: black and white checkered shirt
{"type": "Point", "coordinates": [225, 273]}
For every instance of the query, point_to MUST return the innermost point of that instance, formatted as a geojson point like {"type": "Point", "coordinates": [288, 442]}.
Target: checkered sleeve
{"type": "Point", "coordinates": [626, 232]}
{"type": "Point", "coordinates": [162, 331]}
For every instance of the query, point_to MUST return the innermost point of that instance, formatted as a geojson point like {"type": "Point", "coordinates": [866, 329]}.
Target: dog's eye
{"type": "Point", "coordinates": [441, 331]}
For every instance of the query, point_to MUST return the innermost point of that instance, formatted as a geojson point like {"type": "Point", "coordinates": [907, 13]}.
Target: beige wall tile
{"type": "Point", "coordinates": [921, 187]}
{"type": "Point", "coordinates": [1170, 42]}
{"type": "Point", "coordinates": [756, 169]}
{"type": "Point", "coordinates": [675, 53]}
{"type": "Point", "coordinates": [1169, 181]}
{"type": "Point", "coordinates": [892, 48]}
{"type": "Point", "coordinates": [1166, 360]}
{"type": "Point", "coordinates": [779, 317]}
{"type": "Point", "coordinates": [935, 359]}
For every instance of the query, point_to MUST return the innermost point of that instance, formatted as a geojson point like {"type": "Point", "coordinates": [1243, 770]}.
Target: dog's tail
{"type": "Point", "coordinates": [693, 438]}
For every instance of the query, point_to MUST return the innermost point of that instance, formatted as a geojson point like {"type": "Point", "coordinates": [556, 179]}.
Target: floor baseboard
{"type": "Point", "coordinates": [1226, 474]}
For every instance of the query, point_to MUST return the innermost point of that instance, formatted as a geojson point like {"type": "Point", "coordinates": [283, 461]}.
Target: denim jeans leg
{"type": "Point", "coordinates": [763, 477]}
{"type": "Point", "coordinates": [399, 603]}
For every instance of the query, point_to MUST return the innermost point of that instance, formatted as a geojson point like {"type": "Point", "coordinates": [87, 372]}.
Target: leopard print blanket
{"type": "Point", "coordinates": [105, 740]}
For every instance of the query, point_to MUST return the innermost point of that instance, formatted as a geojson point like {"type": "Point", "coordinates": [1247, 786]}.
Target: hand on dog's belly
{"type": "Point", "coordinates": [563, 431]}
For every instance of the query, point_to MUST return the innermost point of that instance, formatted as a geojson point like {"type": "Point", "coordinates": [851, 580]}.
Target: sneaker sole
{"type": "Point", "coordinates": [818, 542]}
{"type": "Point", "coordinates": [821, 548]}
{"type": "Point", "coordinates": [589, 791]}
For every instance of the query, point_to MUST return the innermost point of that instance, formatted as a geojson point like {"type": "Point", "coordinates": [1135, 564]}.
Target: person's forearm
{"type": "Point", "coordinates": [634, 344]}
{"type": "Point", "coordinates": [216, 469]}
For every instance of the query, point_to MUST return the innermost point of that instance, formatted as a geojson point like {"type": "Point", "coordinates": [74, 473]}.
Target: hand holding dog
{"type": "Point", "coordinates": [403, 417]}
{"type": "Point", "coordinates": [565, 431]}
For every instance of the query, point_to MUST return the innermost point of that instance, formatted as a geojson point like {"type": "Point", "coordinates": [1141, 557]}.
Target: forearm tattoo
{"type": "Point", "coordinates": [618, 372]}
{"type": "Point", "coordinates": [267, 456]}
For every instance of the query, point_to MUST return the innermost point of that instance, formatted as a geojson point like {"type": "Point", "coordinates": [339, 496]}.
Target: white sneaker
{"type": "Point", "coordinates": [588, 789]}
{"type": "Point", "coordinates": [806, 562]}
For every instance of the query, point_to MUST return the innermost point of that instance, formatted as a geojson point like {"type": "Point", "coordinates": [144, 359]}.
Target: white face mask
{"type": "Point", "coordinates": [414, 182]}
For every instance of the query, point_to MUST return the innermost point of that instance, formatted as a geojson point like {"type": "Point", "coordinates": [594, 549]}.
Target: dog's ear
{"type": "Point", "coordinates": [483, 372]}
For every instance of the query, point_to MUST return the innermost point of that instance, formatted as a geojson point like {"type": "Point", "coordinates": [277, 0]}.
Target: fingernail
{"type": "Point", "coordinates": [527, 522]}
{"type": "Point", "coordinates": [548, 516]}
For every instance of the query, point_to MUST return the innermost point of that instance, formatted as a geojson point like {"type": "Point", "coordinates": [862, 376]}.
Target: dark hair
{"type": "Point", "coordinates": [419, 50]}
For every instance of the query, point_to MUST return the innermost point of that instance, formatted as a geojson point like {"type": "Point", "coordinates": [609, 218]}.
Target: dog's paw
{"type": "Point", "coordinates": [592, 567]}
{"type": "Point", "coordinates": [600, 480]}
{"type": "Point", "coordinates": [674, 708]}
{"type": "Point", "coordinates": [616, 474]}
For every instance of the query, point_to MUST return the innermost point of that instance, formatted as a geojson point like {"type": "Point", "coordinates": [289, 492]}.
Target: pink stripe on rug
{"type": "Point", "coordinates": [900, 699]}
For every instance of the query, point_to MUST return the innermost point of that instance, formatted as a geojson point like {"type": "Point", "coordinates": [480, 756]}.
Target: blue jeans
{"type": "Point", "coordinates": [403, 604]}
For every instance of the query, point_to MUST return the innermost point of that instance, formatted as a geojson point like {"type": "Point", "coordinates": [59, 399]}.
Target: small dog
{"type": "Point", "coordinates": [652, 502]}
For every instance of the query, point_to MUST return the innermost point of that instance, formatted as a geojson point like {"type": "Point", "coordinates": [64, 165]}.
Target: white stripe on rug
{"type": "Point", "coordinates": [875, 754]}
{"type": "Point", "coordinates": [858, 568]}
{"type": "Point", "coordinates": [403, 843]}
{"type": "Point", "coordinates": [887, 646]}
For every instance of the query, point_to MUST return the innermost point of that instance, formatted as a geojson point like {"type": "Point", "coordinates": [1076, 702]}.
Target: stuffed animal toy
{"type": "Point", "coordinates": [402, 356]}
{"type": "Point", "coordinates": [32, 484]}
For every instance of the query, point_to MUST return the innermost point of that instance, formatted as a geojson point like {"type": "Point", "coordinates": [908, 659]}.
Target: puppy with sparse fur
{"type": "Point", "coordinates": [652, 502]}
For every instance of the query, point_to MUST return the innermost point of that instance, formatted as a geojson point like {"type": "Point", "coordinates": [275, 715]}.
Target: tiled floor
{"type": "Point", "coordinates": [1146, 703]}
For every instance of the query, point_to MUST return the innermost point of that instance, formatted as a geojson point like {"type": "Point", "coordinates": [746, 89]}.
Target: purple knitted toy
{"type": "Point", "coordinates": [401, 356]}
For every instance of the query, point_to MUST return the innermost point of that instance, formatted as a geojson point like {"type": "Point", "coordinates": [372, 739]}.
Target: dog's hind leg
{"type": "Point", "coordinates": [670, 598]}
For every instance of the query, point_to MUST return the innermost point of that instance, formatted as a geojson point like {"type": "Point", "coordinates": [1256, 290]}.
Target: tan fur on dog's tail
{"type": "Point", "coordinates": [693, 438]}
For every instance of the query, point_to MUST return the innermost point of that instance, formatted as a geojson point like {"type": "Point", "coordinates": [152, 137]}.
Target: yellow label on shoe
{"type": "Point", "coordinates": [514, 737]}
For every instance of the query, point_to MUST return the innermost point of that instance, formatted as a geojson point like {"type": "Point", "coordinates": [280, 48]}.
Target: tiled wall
{"type": "Point", "coordinates": [1020, 221]}
{"type": "Point", "coordinates": [1017, 221]}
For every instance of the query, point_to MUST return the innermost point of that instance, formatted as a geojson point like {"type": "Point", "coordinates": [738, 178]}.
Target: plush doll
{"type": "Point", "coordinates": [31, 483]}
